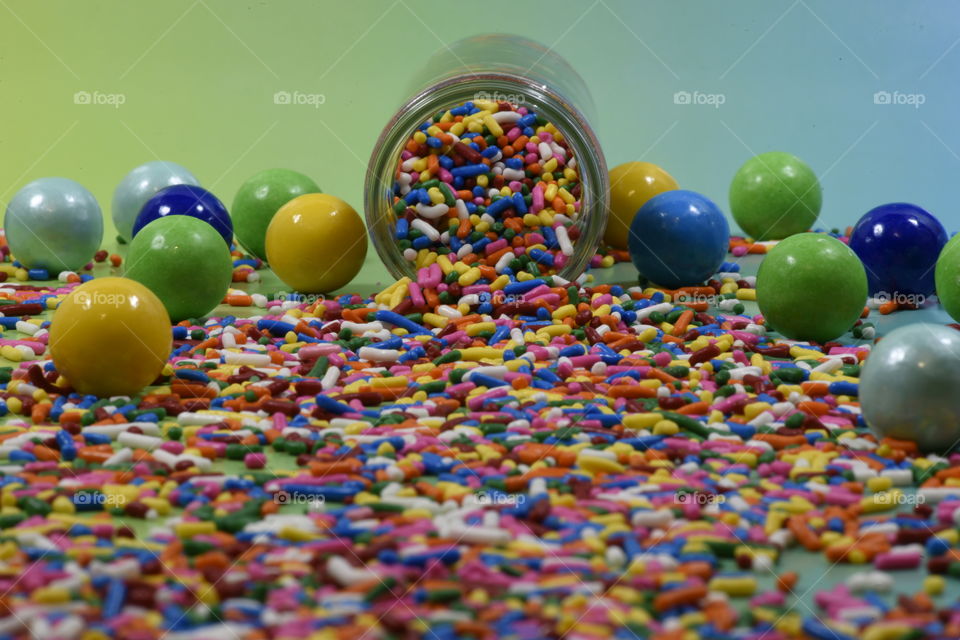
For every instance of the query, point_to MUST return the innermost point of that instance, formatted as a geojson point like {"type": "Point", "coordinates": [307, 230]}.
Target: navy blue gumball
{"type": "Point", "coordinates": [898, 244]}
{"type": "Point", "coordinates": [187, 200]}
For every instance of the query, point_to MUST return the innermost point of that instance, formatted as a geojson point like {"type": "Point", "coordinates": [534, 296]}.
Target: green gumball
{"type": "Point", "coordinates": [184, 261]}
{"type": "Point", "coordinates": [775, 195]}
{"type": "Point", "coordinates": [259, 198]}
{"type": "Point", "coordinates": [947, 277]}
{"type": "Point", "coordinates": [811, 286]}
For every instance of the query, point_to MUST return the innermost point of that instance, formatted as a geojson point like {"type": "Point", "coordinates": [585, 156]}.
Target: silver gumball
{"type": "Point", "coordinates": [910, 386]}
{"type": "Point", "coordinates": [53, 224]}
{"type": "Point", "coordinates": [138, 186]}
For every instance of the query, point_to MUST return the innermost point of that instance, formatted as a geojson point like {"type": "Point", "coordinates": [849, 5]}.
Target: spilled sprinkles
{"type": "Point", "coordinates": [467, 455]}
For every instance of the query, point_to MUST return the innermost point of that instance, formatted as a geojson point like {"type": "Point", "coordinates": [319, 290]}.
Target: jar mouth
{"type": "Point", "coordinates": [378, 188]}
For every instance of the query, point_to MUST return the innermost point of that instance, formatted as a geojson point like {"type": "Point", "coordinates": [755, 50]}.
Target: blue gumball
{"type": "Point", "coordinates": [898, 244]}
{"type": "Point", "coordinates": [678, 238]}
{"type": "Point", "coordinates": [53, 224]}
{"type": "Point", "coordinates": [187, 200]}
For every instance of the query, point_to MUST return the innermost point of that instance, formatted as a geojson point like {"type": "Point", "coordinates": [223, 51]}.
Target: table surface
{"type": "Point", "coordinates": [815, 573]}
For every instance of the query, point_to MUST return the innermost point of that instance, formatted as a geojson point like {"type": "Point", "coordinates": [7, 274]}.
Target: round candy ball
{"type": "Point", "coordinates": [187, 200]}
{"type": "Point", "coordinates": [184, 262]}
{"type": "Point", "coordinates": [775, 195]}
{"type": "Point", "coordinates": [908, 386]}
{"type": "Point", "coordinates": [138, 186]}
{"type": "Point", "coordinates": [316, 243]}
{"type": "Point", "coordinates": [899, 244]}
{"type": "Point", "coordinates": [53, 224]}
{"type": "Point", "coordinates": [110, 337]}
{"type": "Point", "coordinates": [811, 286]}
{"type": "Point", "coordinates": [259, 198]}
{"type": "Point", "coordinates": [947, 277]}
{"type": "Point", "coordinates": [631, 185]}
{"type": "Point", "coordinates": [678, 238]}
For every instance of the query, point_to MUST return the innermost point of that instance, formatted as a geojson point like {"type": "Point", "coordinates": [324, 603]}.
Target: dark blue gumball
{"type": "Point", "coordinates": [186, 200]}
{"type": "Point", "coordinates": [678, 238]}
{"type": "Point", "coordinates": [898, 244]}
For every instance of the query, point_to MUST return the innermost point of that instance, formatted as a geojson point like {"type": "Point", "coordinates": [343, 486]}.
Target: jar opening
{"type": "Point", "coordinates": [579, 177]}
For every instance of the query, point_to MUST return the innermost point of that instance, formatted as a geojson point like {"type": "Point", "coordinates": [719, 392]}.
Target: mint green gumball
{"type": "Point", "coordinates": [775, 195]}
{"type": "Point", "coordinates": [259, 198]}
{"type": "Point", "coordinates": [184, 261]}
{"type": "Point", "coordinates": [811, 286]}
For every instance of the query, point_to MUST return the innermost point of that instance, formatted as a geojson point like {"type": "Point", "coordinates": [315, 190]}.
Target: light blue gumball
{"type": "Point", "coordinates": [138, 186]}
{"type": "Point", "coordinates": [909, 383]}
{"type": "Point", "coordinates": [53, 224]}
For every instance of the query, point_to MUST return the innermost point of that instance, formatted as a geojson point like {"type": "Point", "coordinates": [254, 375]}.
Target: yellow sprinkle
{"type": "Point", "coordinates": [445, 265]}
{"type": "Point", "coordinates": [751, 411]}
{"type": "Point", "coordinates": [665, 428]}
{"type": "Point", "coordinates": [479, 327]}
{"type": "Point", "coordinates": [499, 283]}
{"type": "Point", "coordinates": [435, 320]}
{"type": "Point", "coordinates": [469, 277]}
{"type": "Point", "coordinates": [190, 529]}
{"type": "Point", "coordinates": [641, 420]}
{"type": "Point", "coordinates": [598, 464]}
{"type": "Point", "coordinates": [566, 311]}
{"type": "Point", "coordinates": [934, 585]}
{"type": "Point", "coordinates": [51, 595]}
{"type": "Point", "coordinates": [389, 383]}
{"type": "Point", "coordinates": [492, 125]}
{"type": "Point", "coordinates": [879, 483]}
{"type": "Point", "coordinates": [481, 353]}
{"type": "Point", "coordinates": [555, 330]}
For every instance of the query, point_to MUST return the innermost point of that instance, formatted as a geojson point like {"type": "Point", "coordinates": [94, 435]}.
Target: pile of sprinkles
{"type": "Point", "coordinates": [492, 185]}
{"type": "Point", "coordinates": [467, 454]}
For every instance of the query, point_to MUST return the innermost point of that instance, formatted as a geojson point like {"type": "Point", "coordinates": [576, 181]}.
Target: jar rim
{"type": "Point", "coordinates": [378, 187]}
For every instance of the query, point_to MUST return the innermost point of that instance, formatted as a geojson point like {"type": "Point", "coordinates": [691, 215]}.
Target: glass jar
{"type": "Point", "coordinates": [500, 68]}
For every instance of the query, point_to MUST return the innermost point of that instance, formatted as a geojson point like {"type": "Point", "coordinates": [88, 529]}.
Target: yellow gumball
{"type": "Point", "coordinates": [631, 185]}
{"type": "Point", "coordinates": [316, 243]}
{"type": "Point", "coordinates": [110, 337]}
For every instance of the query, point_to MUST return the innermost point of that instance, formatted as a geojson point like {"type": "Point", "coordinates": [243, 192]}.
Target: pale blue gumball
{"type": "Point", "coordinates": [909, 384]}
{"type": "Point", "coordinates": [138, 186]}
{"type": "Point", "coordinates": [53, 224]}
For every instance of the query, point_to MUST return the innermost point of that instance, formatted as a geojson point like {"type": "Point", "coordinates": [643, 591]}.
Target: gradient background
{"type": "Point", "coordinates": [198, 77]}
